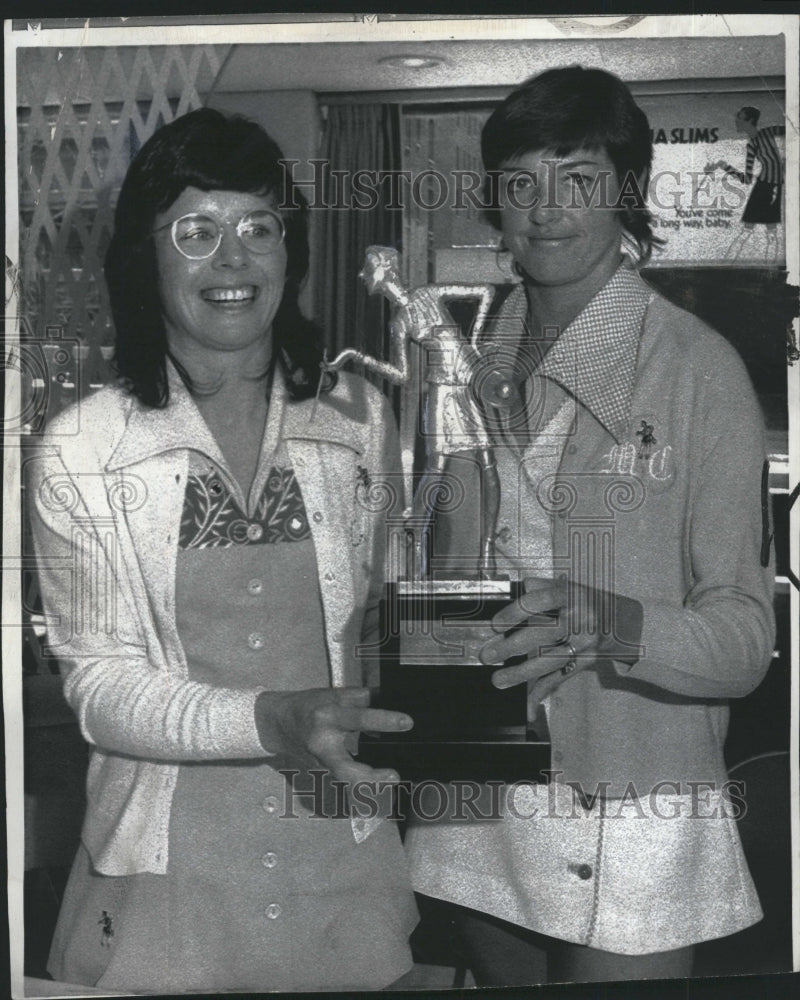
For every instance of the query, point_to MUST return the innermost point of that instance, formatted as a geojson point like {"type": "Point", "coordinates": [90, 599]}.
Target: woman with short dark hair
{"type": "Point", "coordinates": [631, 506]}
{"type": "Point", "coordinates": [570, 109]}
{"type": "Point", "coordinates": [210, 553]}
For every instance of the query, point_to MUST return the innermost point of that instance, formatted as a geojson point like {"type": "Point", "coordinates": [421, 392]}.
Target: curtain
{"type": "Point", "coordinates": [356, 138]}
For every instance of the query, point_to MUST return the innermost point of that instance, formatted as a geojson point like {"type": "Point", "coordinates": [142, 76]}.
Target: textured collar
{"type": "Point", "coordinates": [151, 431]}
{"type": "Point", "coordinates": [336, 418]}
{"type": "Point", "coordinates": [595, 357]}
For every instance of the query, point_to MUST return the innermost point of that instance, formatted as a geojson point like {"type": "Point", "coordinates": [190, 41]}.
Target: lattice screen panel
{"type": "Point", "coordinates": [82, 115]}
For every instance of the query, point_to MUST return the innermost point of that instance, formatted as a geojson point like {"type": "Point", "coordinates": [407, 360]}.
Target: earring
{"type": "Point", "coordinates": [502, 262]}
{"type": "Point", "coordinates": [630, 248]}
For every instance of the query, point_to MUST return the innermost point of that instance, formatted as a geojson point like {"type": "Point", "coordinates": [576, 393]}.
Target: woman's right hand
{"type": "Point", "coordinates": [319, 729]}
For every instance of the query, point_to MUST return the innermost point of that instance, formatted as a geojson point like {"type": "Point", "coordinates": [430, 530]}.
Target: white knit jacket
{"type": "Point", "coordinates": [106, 506]}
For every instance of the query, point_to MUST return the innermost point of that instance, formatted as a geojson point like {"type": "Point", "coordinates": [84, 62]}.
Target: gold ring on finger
{"type": "Point", "coordinates": [572, 663]}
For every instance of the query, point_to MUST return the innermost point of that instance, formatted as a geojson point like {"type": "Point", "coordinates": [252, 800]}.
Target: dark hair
{"type": "Point", "coordinates": [208, 150]}
{"type": "Point", "coordinates": [571, 108]}
{"type": "Point", "coordinates": [751, 114]}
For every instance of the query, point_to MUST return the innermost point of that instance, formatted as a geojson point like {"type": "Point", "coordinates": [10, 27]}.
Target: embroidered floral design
{"type": "Point", "coordinates": [212, 518]}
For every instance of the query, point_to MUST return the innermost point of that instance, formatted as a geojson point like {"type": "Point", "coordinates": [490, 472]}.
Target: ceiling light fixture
{"type": "Point", "coordinates": [412, 61]}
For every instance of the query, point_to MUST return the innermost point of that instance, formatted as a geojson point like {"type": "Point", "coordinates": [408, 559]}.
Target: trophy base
{"type": "Point", "coordinates": [503, 759]}
{"type": "Point", "coordinates": [464, 727]}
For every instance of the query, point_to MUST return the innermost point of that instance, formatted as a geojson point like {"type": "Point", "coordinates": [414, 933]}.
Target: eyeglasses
{"type": "Point", "coordinates": [199, 236]}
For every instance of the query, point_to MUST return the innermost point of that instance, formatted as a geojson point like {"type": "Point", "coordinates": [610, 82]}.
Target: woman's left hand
{"type": "Point", "coordinates": [319, 728]}
{"type": "Point", "coordinates": [555, 626]}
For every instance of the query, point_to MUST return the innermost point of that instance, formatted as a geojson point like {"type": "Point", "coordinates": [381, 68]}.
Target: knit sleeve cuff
{"type": "Point", "coordinates": [622, 642]}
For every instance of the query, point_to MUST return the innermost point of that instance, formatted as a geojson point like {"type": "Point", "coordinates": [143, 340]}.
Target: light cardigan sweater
{"type": "Point", "coordinates": [106, 505]}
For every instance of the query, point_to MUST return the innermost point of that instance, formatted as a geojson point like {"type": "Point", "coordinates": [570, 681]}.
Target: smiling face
{"type": "Point", "coordinates": [225, 302]}
{"type": "Point", "coordinates": [559, 221]}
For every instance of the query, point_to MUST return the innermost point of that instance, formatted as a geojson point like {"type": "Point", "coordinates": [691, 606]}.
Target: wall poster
{"type": "Point", "coordinates": [704, 176]}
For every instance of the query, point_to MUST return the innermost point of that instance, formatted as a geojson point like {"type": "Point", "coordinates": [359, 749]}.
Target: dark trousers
{"type": "Point", "coordinates": [499, 953]}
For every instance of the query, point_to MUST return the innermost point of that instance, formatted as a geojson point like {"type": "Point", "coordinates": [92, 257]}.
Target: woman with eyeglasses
{"type": "Point", "coordinates": [210, 550]}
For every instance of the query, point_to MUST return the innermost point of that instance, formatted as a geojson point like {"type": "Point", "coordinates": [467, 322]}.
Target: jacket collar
{"type": "Point", "coordinates": [179, 425]}
{"type": "Point", "coordinates": [595, 357]}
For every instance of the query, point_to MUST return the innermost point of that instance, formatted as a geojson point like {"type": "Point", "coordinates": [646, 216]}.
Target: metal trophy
{"type": "Point", "coordinates": [433, 629]}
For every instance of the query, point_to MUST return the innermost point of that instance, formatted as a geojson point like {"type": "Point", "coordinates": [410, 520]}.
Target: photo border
{"type": "Point", "coordinates": [311, 29]}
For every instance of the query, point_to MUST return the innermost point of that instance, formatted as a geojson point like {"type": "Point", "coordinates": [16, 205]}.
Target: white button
{"type": "Point", "coordinates": [255, 586]}
{"type": "Point", "coordinates": [255, 640]}
{"type": "Point", "coordinates": [273, 911]}
{"type": "Point", "coordinates": [317, 516]}
{"type": "Point", "coordinates": [330, 576]}
{"type": "Point", "coordinates": [269, 860]}
{"type": "Point", "coordinates": [270, 804]}
{"type": "Point", "coordinates": [254, 532]}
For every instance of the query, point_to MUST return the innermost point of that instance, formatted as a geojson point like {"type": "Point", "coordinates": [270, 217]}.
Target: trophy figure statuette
{"type": "Point", "coordinates": [453, 422]}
